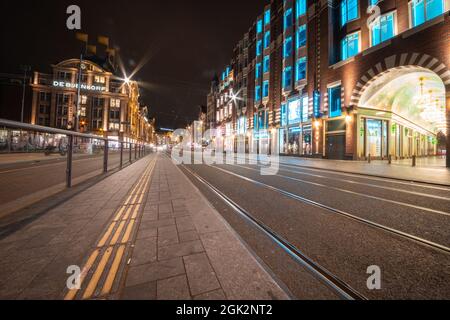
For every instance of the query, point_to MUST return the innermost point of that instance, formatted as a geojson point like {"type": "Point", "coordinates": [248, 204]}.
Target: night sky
{"type": "Point", "coordinates": [183, 41]}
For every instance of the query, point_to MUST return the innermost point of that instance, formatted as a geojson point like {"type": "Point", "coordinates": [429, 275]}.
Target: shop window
{"type": "Point", "coordinates": [335, 102]}
{"type": "Point", "coordinates": [305, 109]}
{"type": "Point", "coordinates": [294, 112]}
{"type": "Point", "coordinates": [383, 28]}
{"type": "Point", "coordinates": [284, 115]}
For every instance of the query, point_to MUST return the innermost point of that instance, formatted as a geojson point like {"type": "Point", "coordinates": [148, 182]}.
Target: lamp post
{"type": "Point", "coordinates": [25, 69]}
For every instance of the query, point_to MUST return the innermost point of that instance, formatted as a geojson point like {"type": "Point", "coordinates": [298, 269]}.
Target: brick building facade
{"type": "Point", "coordinates": [342, 79]}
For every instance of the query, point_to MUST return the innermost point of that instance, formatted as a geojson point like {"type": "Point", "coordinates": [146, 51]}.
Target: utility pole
{"type": "Point", "coordinates": [24, 84]}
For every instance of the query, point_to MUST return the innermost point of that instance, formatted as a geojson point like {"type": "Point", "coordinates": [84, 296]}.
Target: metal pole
{"type": "Point", "coordinates": [135, 151]}
{"type": "Point", "coordinates": [78, 95]}
{"type": "Point", "coordinates": [130, 145]}
{"type": "Point", "coordinates": [25, 69]}
{"type": "Point", "coordinates": [69, 163]}
{"type": "Point", "coordinates": [105, 157]}
{"type": "Point", "coordinates": [121, 155]}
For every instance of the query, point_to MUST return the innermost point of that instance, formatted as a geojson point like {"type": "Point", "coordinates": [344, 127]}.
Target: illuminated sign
{"type": "Point", "coordinates": [68, 85]}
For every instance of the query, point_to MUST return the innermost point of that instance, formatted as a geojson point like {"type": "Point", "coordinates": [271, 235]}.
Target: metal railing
{"type": "Point", "coordinates": [67, 146]}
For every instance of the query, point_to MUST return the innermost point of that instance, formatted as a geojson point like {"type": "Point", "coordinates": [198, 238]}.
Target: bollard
{"type": "Point", "coordinates": [121, 155]}
{"type": "Point", "coordinates": [130, 146]}
{"type": "Point", "coordinates": [414, 161]}
{"type": "Point", "coordinates": [69, 162]}
{"type": "Point", "coordinates": [369, 158]}
{"type": "Point", "coordinates": [390, 159]}
{"type": "Point", "coordinates": [105, 157]}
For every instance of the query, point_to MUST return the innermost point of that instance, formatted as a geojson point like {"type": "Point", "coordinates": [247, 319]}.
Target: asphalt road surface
{"type": "Point", "coordinates": [342, 222]}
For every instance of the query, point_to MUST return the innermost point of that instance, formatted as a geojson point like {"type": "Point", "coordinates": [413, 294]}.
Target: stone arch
{"type": "Point", "coordinates": [405, 60]}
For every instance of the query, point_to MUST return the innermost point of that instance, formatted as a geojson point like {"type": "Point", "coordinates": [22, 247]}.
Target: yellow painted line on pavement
{"type": "Point", "coordinates": [106, 236]}
{"type": "Point", "coordinates": [117, 234]}
{"type": "Point", "coordinates": [72, 293]}
{"type": "Point", "coordinates": [123, 215]}
{"type": "Point", "coordinates": [97, 274]}
{"type": "Point", "coordinates": [109, 282]}
{"type": "Point", "coordinates": [119, 214]}
{"type": "Point", "coordinates": [127, 234]}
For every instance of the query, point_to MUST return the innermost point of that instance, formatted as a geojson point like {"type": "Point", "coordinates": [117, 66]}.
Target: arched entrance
{"type": "Point", "coordinates": [403, 114]}
{"type": "Point", "coordinates": [410, 94]}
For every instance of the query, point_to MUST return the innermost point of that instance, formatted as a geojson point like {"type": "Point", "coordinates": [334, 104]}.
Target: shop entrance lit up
{"type": "Point", "coordinates": [402, 114]}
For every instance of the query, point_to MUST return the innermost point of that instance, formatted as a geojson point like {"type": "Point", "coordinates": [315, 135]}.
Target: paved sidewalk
{"type": "Point", "coordinates": [426, 171]}
{"type": "Point", "coordinates": [186, 250]}
{"type": "Point", "coordinates": [143, 233]}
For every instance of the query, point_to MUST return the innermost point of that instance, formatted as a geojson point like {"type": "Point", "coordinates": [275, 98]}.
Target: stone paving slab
{"type": "Point", "coordinates": [199, 256]}
{"type": "Point", "coordinates": [34, 258]}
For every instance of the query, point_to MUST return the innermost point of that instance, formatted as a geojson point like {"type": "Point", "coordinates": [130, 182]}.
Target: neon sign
{"type": "Point", "coordinates": [68, 85]}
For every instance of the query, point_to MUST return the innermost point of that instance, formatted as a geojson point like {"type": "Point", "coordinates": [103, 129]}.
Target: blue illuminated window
{"type": "Point", "coordinates": [350, 46]}
{"type": "Point", "coordinates": [267, 40]}
{"type": "Point", "coordinates": [424, 10]}
{"type": "Point", "coordinates": [349, 11]}
{"type": "Point", "coordinates": [383, 29]}
{"type": "Point", "coordinates": [259, 47]}
{"type": "Point", "coordinates": [300, 69]}
{"type": "Point", "coordinates": [266, 89]}
{"type": "Point", "coordinates": [259, 26]}
{"type": "Point", "coordinates": [373, 2]}
{"type": "Point", "coordinates": [258, 70]}
{"type": "Point", "coordinates": [301, 8]}
{"type": "Point", "coordinates": [258, 93]}
{"type": "Point", "coordinates": [287, 77]}
{"type": "Point", "coordinates": [283, 115]}
{"type": "Point", "coordinates": [288, 19]}
{"type": "Point", "coordinates": [287, 51]}
{"type": "Point", "coordinates": [335, 102]}
{"type": "Point", "coordinates": [267, 17]}
{"type": "Point", "coordinates": [301, 36]}
{"type": "Point", "coordinates": [266, 67]}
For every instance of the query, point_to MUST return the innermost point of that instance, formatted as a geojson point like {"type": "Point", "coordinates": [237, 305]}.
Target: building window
{"type": "Point", "coordinates": [266, 89]}
{"type": "Point", "coordinates": [258, 93]}
{"type": "Point", "coordinates": [349, 11]}
{"type": "Point", "coordinates": [288, 19]}
{"type": "Point", "coordinates": [301, 8]}
{"type": "Point", "coordinates": [305, 109]}
{"type": "Point", "coordinates": [287, 77]}
{"type": "Point", "coordinates": [335, 102]}
{"type": "Point", "coordinates": [64, 76]}
{"type": "Point", "coordinates": [373, 2]}
{"type": "Point", "coordinates": [301, 36]}
{"type": "Point", "coordinates": [287, 47]}
{"type": "Point", "coordinates": [84, 99]}
{"type": "Point", "coordinates": [267, 17]}
{"type": "Point", "coordinates": [266, 64]}
{"type": "Point", "coordinates": [424, 10]}
{"type": "Point", "coordinates": [382, 29]}
{"type": "Point", "coordinates": [300, 73]}
{"type": "Point", "coordinates": [350, 46]}
{"type": "Point", "coordinates": [259, 26]}
{"type": "Point", "coordinates": [99, 79]}
{"type": "Point", "coordinates": [267, 40]}
{"type": "Point", "coordinates": [258, 48]}
{"type": "Point", "coordinates": [258, 70]}
{"type": "Point", "coordinates": [115, 103]}
{"type": "Point", "coordinates": [45, 96]}
{"type": "Point", "coordinates": [283, 115]}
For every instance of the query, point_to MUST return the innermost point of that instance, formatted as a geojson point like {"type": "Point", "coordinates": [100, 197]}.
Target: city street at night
{"type": "Point", "coordinates": [209, 159]}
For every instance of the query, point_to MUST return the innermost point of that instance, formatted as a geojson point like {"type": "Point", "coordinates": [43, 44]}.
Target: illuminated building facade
{"type": "Point", "coordinates": [346, 79]}
{"type": "Point", "coordinates": [109, 106]}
